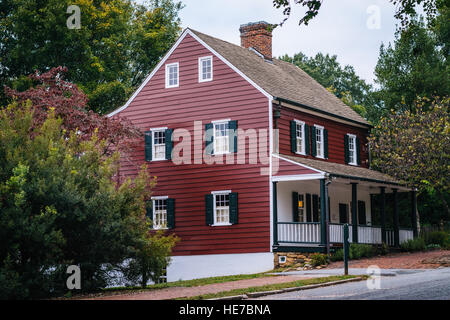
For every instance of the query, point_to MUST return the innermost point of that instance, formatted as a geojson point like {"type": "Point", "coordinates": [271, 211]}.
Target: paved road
{"type": "Point", "coordinates": [398, 284]}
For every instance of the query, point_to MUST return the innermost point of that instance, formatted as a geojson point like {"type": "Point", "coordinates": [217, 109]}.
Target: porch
{"type": "Point", "coordinates": [299, 223]}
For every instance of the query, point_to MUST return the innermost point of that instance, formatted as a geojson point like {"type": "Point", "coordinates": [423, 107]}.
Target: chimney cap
{"type": "Point", "coordinates": [253, 23]}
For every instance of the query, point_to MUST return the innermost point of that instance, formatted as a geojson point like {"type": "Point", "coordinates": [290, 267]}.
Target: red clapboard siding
{"type": "Point", "coordinates": [228, 96]}
{"type": "Point", "coordinates": [286, 168]}
{"type": "Point", "coordinates": [336, 133]}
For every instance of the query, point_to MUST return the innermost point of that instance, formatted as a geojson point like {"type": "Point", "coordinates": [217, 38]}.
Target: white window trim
{"type": "Point", "coordinates": [200, 69]}
{"type": "Point", "coordinates": [153, 212]}
{"type": "Point", "coordinates": [153, 130]}
{"type": "Point", "coordinates": [303, 151]}
{"type": "Point", "coordinates": [322, 149]}
{"type": "Point", "coordinates": [355, 154]}
{"type": "Point", "coordinates": [215, 122]}
{"type": "Point", "coordinates": [215, 193]}
{"type": "Point", "coordinates": [167, 75]}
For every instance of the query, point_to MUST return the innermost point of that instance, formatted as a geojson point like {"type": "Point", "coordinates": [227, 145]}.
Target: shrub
{"type": "Point", "coordinates": [318, 259]}
{"type": "Point", "coordinates": [433, 246]}
{"type": "Point", "coordinates": [383, 249]}
{"type": "Point", "coordinates": [338, 255]}
{"type": "Point", "coordinates": [436, 237]}
{"type": "Point", "coordinates": [358, 251]}
{"type": "Point", "coordinates": [417, 244]}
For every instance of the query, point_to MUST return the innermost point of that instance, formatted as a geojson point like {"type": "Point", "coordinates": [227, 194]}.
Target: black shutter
{"type": "Point", "coordinates": [232, 126]}
{"type": "Point", "coordinates": [293, 136]}
{"type": "Point", "coordinates": [325, 143]}
{"type": "Point", "coordinates": [346, 149]}
{"type": "Point", "coordinates": [209, 138]}
{"type": "Point", "coordinates": [170, 213]}
{"type": "Point", "coordinates": [169, 143]}
{"type": "Point", "coordinates": [308, 208]}
{"type": "Point", "coordinates": [362, 212]}
{"type": "Point", "coordinates": [295, 206]}
{"type": "Point", "coordinates": [313, 141]}
{"type": "Point", "coordinates": [233, 208]}
{"type": "Point", "coordinates": [209, 207]}
{"type": "Point", "coordinates": [307, 139]}
{"type": "Point", "coordinates": [148, 146]}
{"type": "Point", "coordinates": [358, 153]}
{"type": "Point", "coordinates": [315, 205]}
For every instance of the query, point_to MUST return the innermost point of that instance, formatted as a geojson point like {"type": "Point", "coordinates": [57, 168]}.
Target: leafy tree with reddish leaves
{"type": "Point", "coordinates": [50, 90]}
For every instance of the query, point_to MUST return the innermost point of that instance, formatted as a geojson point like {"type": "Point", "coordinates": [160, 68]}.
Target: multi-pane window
{"type": "Point", "coordinates": [172, 75]}
{"type": "Point", "coordinates": [221, 138]}
{"type": "Point", "coordinates": [205, 69]}
{"type": "Point", "coordinates": [352, 149]}
{"type": "Point", "coordinates": [159, 213]}
{"type": "Point", "coordinates": [300, 137]}
{"type": "Point", "coordinates": [301, 208]}
{"type": "Point", "coordinates": [319, 142]}
{"type": "Point", "coordinates": [221, 208]}
{"type": "Point", "coordinates": [159, 144]}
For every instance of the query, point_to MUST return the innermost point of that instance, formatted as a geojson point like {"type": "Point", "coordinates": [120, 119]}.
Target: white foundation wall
{"type": "Point", "coordinates": [215, 265]}
{"type": "Point", "coordinates": [338, 193]}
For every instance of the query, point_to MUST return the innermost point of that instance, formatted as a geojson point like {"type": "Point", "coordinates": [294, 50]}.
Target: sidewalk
{"type": "Point", "coordinates": [180, 292]}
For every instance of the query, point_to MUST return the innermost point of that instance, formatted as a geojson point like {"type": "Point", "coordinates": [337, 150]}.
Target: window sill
{"type": "Point", "coordinates": [221, 224]}
{"type": "Point", "coordinates": [206, 80]}
{"type": "Point", "coordinates": [301, 153]}
{"type": "Point", "coordinates": [156, 160]}
{"type": "Point", "coordinates": [353, 164]}
{"type": "Point", "coordinates": [220, 154]}
{"type": "Point", "coordinates": [160, 228]}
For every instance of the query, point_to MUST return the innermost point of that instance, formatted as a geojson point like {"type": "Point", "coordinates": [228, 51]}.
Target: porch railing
{"type": "Point", "coordinates": [299, 232]}
{"type": "Point", "coordinates": [309, 233]}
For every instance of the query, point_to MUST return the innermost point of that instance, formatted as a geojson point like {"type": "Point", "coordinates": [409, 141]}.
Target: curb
{"type": "Point", "coordinates": [266, 293]}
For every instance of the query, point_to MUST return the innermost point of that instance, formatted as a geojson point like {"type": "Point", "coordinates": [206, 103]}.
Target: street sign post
{"type": "Point", "coordinates": [346, 248]}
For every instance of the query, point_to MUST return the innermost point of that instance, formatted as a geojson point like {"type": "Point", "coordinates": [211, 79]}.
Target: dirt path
{"type": "Point", "coordinates": [179, 292]}
{"type": "Point", "coordinates": [404, 260]}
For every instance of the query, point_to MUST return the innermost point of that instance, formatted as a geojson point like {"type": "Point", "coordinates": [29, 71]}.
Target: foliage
{"type": "Point", "coordinates": [50, 90]}
{"type": "Point", "coordinates": [341, 81]}
{"type": "Point", "coordinates": [414, 66]}
{"type": "Point", "coordinates": [383, 249]}
{"type": "Point", "coordinates": [412, 245]}
{"type": "Point", "coordinates": [119, 41]}
{"type": "Point", "coordinates": [318, 259]}
{"type": "Point", "coordinates": [60, 205]}
{"type": "Point", "coordinates": [357, 251]}
{"type": "Point", "coordinates": [414, 147]}
{"type": "Point", "coordinates": [150, 259]}
{"type": "Point", "coordinates": [405, 9]}
{"type": "Point", "coordinates": [436, 237]}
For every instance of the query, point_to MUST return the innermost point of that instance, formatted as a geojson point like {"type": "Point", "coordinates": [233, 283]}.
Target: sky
{"type": "Point", "coordinates": [351, 29]}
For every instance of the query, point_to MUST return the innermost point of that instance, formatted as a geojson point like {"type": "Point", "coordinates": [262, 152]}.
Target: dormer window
{"type": "Point", "coordinates": [205, 69]}
{"type": "Point", "coordinates": [172, 75]}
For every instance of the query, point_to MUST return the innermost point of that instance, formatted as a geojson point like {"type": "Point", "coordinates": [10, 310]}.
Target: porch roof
{"type": "Point", "coordinates": [344, 171]}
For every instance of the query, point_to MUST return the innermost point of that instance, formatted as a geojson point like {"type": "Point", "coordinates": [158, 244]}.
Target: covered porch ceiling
{"type": "Point", "coordinates": [289, 168]}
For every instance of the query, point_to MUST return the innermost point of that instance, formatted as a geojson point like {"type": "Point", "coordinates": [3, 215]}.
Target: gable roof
{"type": "Point", "coordinates": [282, 79]}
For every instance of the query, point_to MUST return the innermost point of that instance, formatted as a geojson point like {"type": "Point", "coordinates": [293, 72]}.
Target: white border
{"type": "Point", "coordinates": [355, 153]}
{"type": "Point", "coordinates": [303, 151]}
{"type": "Point", "coordinates": [200, 69]}
{"type": "Point", "coordinates": [164, 59]}
{"type": "Point", "coordinates": [167, 75]}
{"type": "Point", "coordinates": [215, 193]}
{"type": "Point", "coordinates": [153, 211]}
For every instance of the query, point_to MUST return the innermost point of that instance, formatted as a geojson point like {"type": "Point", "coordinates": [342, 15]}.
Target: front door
{"type": "Point", "coordinates": [343, 213]}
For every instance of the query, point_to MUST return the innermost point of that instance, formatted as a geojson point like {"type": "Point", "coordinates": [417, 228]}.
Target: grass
{"type": "Point", "coordinates": [276, 286]}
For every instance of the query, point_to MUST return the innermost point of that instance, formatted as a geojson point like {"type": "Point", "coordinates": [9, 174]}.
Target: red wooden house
{"type": "Point", "coordinates": [246, 148]}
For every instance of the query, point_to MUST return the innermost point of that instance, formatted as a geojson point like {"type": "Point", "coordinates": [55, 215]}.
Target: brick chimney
{"type": "Point", "coordinates": [257, 36]}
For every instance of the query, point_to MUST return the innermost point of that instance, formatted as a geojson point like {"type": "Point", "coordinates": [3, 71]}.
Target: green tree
{"type": "Point", "coordinates": [60, 205]}
{"type": "Point", "coordinates": [414, 147]}
{"type": "Point", "coordinates": [405, 9]}
{"type": "Point", "coordinates": [415, 66]}
{"type": "Point", "coordinates": [118, 44]}
{"type": "Point", "coordinates": [341, 81]}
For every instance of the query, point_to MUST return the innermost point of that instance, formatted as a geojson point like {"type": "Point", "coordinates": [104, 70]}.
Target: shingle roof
{"type": "Point", "coordinates": [281, 79]}
{"type": "Point", "coordinates": [343, 170]}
